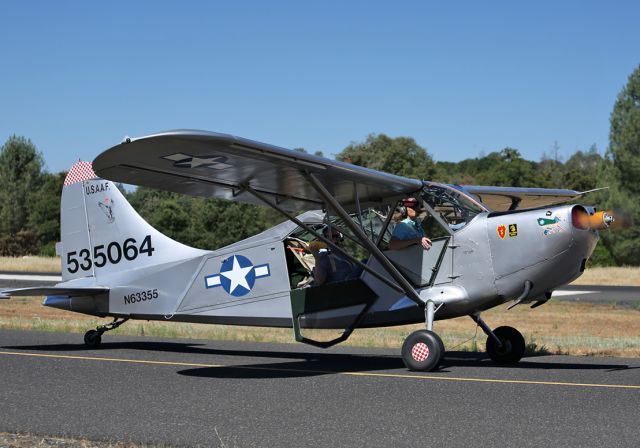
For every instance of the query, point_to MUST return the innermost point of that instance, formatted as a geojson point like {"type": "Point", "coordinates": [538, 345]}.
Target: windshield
{"type": "Point", "coordinates": [456, 208]}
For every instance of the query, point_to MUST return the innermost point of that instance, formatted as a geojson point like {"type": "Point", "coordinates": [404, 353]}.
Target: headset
{"type": "Point", "coordinates": [402, 209]}
{"type": "Point", "coordinates": [336, 233]}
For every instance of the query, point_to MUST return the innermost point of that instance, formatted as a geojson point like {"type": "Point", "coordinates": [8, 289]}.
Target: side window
{"type": "Point", "coordinates": [432, 228]}
{"type": "Point", "coordinates": [372, 221]}
{"type": "Point", "coordinates": [305, 236]}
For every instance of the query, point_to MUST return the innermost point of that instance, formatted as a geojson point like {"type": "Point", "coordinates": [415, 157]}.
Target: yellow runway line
{"type": "Point", "coordinates": [91, 358]}
{"type": "Point", "coordinates": [361, 374]}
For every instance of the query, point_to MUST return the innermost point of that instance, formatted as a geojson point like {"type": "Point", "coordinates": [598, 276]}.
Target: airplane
{"type": "Point", "coordinates": [489, 246]}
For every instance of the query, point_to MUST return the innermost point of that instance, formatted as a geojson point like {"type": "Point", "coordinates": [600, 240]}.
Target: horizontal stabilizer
{"type": "Point", "coordinates": [53, 291]}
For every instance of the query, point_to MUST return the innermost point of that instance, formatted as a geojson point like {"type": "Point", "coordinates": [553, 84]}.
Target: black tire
{"type": "Point", "coordinates": [512, 346]}
{"type": "Point", "coordinates": [92, 339]}
{"type": "Point", "coordinates": [442, 351]}
{"type": "Point", "coordinates": [422, 351]}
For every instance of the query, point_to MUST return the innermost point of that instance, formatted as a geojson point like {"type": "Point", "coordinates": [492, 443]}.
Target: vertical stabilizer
{"type": "Point", "coordinates": [101, 233]}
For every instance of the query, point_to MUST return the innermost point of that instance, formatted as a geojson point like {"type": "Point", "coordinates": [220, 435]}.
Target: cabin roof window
{"type": "Point", "coordinates": [455, 207]}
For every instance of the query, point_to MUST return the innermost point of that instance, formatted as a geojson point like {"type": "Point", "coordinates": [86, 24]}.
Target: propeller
{"type": "Point", "coordinates": [623, 219]}
{"type": "Point", "coordinates": [610, 219]}
{"type": "Point", "coordinates": [600, 220]}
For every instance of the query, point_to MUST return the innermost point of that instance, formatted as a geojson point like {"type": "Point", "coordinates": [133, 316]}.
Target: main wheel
{"type": "Point", "coordinates": [92, 338]}
{"type": "Point", "coordinates": [512, 345]}
{"type": "Point", "coordinates": [422, 350]}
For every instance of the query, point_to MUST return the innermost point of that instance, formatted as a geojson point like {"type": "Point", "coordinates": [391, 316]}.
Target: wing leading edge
{"type": "Point", "coordinates": [201, 163]}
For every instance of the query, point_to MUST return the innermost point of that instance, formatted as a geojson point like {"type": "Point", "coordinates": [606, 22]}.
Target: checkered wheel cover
{"type": "Point", "coordinates": [420, 352]}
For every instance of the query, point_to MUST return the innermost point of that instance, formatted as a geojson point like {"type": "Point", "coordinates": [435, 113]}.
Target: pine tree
{"type": "Point", "coordinates": [20, 177]}
{"type": "Point", "coordinates": [622, 170]}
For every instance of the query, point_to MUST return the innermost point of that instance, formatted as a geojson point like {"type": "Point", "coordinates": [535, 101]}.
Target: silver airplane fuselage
{"type": "Point", "coordinates": [495, 258]}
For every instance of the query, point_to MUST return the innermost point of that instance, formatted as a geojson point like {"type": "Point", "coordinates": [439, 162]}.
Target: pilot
{"type": "Point", "coordinates": [408, 230]}
{"type": "Point", "coordinates": [332, 266]}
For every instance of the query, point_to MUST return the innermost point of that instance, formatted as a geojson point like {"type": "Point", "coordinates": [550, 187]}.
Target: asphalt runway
{"type": "Point", "coordinates": [26, 279]}
{"type": "Point", "coordinates": [213, 393]}
{"type": "Point", "coordinates": [620, 295]}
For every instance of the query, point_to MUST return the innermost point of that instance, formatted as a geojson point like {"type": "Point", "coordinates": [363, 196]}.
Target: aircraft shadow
{"type": "Point", "coordinates": [304, 364]}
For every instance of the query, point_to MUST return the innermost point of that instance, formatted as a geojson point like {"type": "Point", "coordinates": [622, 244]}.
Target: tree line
{"type": "Point", "coordinates": [30, 196]}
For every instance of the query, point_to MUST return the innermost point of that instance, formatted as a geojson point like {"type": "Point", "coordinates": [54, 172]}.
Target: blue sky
{"type": "Point", "coordinates": [463, 78]}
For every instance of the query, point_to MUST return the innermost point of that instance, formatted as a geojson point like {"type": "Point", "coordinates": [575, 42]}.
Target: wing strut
{"type": "Point", "coordinates": [299, 223]}
{"type": "Point", "coordinates": [359, 233]}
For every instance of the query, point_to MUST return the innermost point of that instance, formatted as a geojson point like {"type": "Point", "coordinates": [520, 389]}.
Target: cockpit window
{"type": "Point", "coordinates": [456, 208]}
{"type": "Point", "coordinates": [371, 220]}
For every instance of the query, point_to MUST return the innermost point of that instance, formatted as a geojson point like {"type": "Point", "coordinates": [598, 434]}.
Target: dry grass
{"type": "Point", "coordinates": [30, 264]}
{"type": "Point", "coordinates": [557, 327]}
{"type": "Point", "coordinates": [622, 276]}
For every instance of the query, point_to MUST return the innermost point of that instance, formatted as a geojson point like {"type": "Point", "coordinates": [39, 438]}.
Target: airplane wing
{"type": "Point", "coordinates": [53, 291]}
{"type": "Point", "coordinates": [209, 164]}
{"type": "Point", "coordinates": [501, 199]}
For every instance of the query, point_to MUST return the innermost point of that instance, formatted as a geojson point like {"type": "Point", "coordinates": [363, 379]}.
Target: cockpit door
{"type": "Point", "coordinates": [454, 211]}
{"type": "Point", "coordinates": [423, 267]}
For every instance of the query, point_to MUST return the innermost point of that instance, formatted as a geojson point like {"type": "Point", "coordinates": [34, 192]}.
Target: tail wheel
{"type": "Point", "coordinates": [92, 338]}
{"type": "Point", "coordinates": [512, 345]}
{"type": "Point", "coordinates": [422, 351]}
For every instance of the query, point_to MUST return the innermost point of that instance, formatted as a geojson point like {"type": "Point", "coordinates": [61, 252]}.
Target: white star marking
{"type": "Point", "coordinates": [186, 161]}
{"type": "Point", "coordinates": [237, 275]}
{"type": "Point", "coordinates": [197, 161]}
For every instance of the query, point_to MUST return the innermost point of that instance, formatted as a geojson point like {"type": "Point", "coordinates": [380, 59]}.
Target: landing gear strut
{"type": "Point", "coordinates": [504, 344]}
{"type": "Point", "coordinates": [423, 350]}
{"type": "Point", "coordinates": [93, 338]}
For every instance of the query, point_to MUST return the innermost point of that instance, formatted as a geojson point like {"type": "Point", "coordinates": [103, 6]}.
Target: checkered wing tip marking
{"type": "Point", "coordinates": [79, 172]}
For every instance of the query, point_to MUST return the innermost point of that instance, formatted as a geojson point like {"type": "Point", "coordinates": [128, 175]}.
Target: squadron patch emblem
{"type": "Point", "coordinates": [513, 230]}
{"type": "Point", "coordinates": [107, 208]}
{"type": "Point", "coordinates": [502, 231]}
{"type": "Point", "coordinates": [550, 226]}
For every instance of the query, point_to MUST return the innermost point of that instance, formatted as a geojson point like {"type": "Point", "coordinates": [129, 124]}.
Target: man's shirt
{"type": "Point", "coordinates": [337, 267]}
{"type": "Point", "coordinates": [408, 229]}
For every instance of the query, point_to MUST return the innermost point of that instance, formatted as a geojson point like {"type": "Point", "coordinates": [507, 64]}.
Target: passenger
{"type": "Point", "coordinates": [457, 224]}
{"type": "Point", "coordinates": [408, 230]}
{"type": "Point", "coordinates": [332, 266]}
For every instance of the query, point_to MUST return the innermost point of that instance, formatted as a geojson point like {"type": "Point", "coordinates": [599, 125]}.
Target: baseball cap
{"type": "Point", "coordinates": [410, 202]}
{"type": "Point", "coordinates": [335, 233]}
